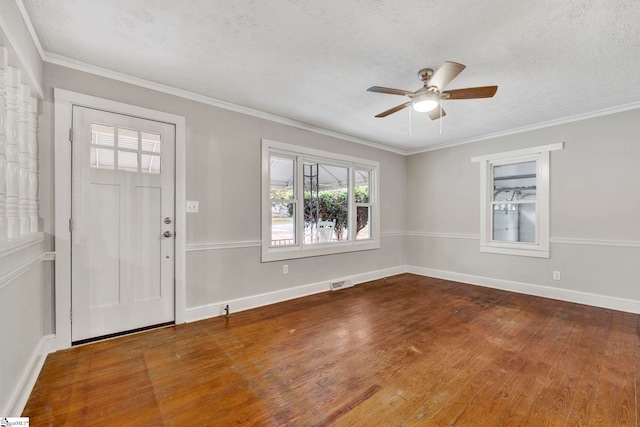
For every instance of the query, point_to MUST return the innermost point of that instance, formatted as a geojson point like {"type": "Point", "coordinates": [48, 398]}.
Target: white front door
{"type": "Point", "coordinates": [123, 208]}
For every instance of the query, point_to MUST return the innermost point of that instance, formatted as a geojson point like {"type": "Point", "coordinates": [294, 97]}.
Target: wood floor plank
{"type": "Point", "coordinates": [624, 408]}
{"type": "Point", "coordinates": [406, 350]}
{"type": "Point", "coordinates": [611, 402]}
{"type": "Point", "coordinates": [594, 343]}
{"type": "Point", "coordinates": [512, 377]}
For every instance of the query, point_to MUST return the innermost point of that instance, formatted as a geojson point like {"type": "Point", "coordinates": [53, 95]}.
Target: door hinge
{"type": "Point", "coordinates": [70, 134]}
{"type": "Point", "coordinates": [70, 225]}
{"type": "Point", "coordinates": [71, 314]}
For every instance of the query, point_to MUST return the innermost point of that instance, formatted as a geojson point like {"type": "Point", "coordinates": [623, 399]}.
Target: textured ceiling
{"type": "Point", "coordinates": [312, 61]}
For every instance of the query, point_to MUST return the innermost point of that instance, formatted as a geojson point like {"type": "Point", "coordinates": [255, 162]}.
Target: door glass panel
{"type": "Point", "coordinates": [150, 164]}
{"type": "Point", "coordinates": [150, 142]}
{"type": "Point", "coordinates": [102, 135]}
{"type": "Point", "coordinates": [128, 161]}
{"type": "Point", "coordinates": [127, 138]}
{"type": "Point", "coordinates": [101, 158]}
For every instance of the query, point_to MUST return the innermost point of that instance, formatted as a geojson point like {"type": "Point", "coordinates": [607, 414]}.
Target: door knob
{"type": "Point", "coordinates": [168, 234]}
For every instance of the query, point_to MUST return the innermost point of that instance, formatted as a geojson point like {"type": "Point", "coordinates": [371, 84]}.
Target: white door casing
{"type": "Point", "coordinates": [122, 203]}
{"type": "Point", "coordinates": [64, 103]}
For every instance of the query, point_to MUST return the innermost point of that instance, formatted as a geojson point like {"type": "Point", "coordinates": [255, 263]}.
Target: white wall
{"type": "Point", "coordinates": [223, 160]}
{"type": "Point", "coordinates": [594, 213]}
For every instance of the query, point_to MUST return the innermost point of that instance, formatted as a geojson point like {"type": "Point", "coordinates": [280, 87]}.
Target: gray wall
{"type": "Point", "coordinates": [223, 173]}
{"type": "Point", "coordinates": [22, 320]}
{"type": "Point", "coordinates": [594, 208]}
{"type": "Point", "coordinates": [25, 298]}
{"type": "Point", "coordinates": [24, 55]}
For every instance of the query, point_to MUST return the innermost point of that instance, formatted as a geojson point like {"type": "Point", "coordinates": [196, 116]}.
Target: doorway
{"type": "Point", "coordinates": [122, 223]}
{"type": "Point", "coordinates": [99, 204]}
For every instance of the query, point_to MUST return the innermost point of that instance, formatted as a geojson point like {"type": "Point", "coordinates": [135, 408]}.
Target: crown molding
{"type": "Point", "coordinates": [170, 90]}
{"type": "Point", "coordinates": [19, 53]}
{"type": "Point", "coordinates": [64, 61]}
{"type": "Point", "coordinates": [528, 128]}
{"type": "Point", "coordinates": [32, 31]}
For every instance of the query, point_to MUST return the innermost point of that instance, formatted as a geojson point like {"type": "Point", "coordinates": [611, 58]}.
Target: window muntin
{"type": "Point", "coordinates": [329, 201]}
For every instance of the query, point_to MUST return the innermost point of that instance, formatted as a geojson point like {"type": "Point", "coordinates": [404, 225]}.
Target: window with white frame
{"type": "Point", "coordinates": [316, 203]}
{"type": "Point", "coordinates": [514, 213]}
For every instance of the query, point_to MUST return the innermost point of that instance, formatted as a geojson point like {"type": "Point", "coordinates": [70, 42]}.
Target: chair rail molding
{"type": "Point", "coordinates": [553, 240]}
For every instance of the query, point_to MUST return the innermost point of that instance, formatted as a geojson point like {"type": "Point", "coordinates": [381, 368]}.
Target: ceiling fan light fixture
{"type": "Point", "coordinates": [425, 102]}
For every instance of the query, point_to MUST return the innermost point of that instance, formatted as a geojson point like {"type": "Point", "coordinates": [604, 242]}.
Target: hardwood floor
{"type": "Point", "coordinates": [407, 350]}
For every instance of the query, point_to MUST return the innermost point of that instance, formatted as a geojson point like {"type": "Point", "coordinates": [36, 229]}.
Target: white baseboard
{"type": "Point", "coordinates": [596, 300]}
{"type": "Point", "coordinates": [20, 395]}
{"type": "Point", "coordinates": [378, 274]}
{"type": "Point", "coordinates": [240, 304]}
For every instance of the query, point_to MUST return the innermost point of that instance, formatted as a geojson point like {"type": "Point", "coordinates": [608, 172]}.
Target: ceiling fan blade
{"type": "Point", "coordinates": [436, 113]}
{"type": "Point", "coordinates": [388, 90]}
{"type": "Point", "coordinates": [394, 109]}
{"type": "Point", "coordinates": [470, 93]}
{"type": "Point", "coordinates": [445, 74]}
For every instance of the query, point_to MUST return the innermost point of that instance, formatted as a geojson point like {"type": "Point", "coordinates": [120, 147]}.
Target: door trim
{"type": "Point", "coordinates": [64, 100]}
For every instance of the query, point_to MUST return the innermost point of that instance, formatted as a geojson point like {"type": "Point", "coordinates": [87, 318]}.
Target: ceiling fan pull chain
{"type": "Point", "coordinates": [410, 114]}
{"type": "Point", "coordinates": [440, 119]}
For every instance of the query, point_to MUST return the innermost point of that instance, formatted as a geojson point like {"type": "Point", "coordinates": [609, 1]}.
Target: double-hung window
{"type": "Point", "coordinates": [316, 203]}
{"type": "Point", "coordinates": [514, 213]}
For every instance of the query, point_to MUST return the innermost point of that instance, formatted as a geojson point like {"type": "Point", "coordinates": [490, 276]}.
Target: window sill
{"type": "Point", "coordinates": [535, 253]}
{"type": "Point", "coordinates": [281, 254]}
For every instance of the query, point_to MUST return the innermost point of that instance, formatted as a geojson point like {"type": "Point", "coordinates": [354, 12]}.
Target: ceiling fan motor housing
{"type": "Point", "coordinates": [425, 74]}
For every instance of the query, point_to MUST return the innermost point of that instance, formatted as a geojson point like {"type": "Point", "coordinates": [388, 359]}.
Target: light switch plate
{"type": "Point", "coordinates": [192, 206]}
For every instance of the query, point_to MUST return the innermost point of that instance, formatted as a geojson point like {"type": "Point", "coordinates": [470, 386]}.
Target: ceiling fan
{"type": "Point", "coordinates": [429, 97]}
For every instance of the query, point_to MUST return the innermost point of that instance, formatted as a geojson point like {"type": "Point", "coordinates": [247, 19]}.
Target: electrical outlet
{"type": "Point", "coordinates": [556, 275]}
{"type": "Point", "coordinates": [192, 206]}
{"type": "Point", "coordinates": [285, 269]}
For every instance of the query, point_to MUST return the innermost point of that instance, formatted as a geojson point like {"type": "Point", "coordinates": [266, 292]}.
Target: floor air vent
{"type": "Point", "coordinates": [340, 284]}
